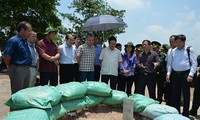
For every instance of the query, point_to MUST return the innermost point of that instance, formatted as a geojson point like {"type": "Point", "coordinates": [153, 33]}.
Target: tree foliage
{"type": "Point", "coordinates": [40, 13]}
{"type": "Point", "coordinates": [84, 9]}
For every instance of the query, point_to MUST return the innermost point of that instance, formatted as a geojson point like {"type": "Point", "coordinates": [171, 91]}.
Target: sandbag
{"type": "Point", "coordinates": [171, 117]}
{"type": "Point", "coordinates": [116, 98]}
{"type": "Point", "coordinates": [39, 97]}
{"type": "Point", "coordinates": [74, 104]}
{"type": "Point", "coordinates": [140, 102]}
{"type": "Point", "coordinates": [56, 112]}
{"type": "Point", "coordinates": [155, 110]}
{"type": "Point", "coordinates": [27, 114]}
{"type": "Point", "coordinates": [97, 88]}
{"type": "Point", "coordinates": [93, 100]}
{"type": "Point", "coordinates": [72, 90]}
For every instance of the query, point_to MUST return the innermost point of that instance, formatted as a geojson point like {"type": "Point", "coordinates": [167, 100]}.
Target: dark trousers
{"type": "Point", "coordinates": [45, 77]}
{"type": "Point", "coordinates": [160, 79]}
{"type": "Point", "coordinates": [67, 73]}
{"type": "Point", "coordinates": [125, 83]}
{"type": "Point", "coordinates": [136, 76]}
{"type": "Point", "coordinates": [150, 81]}
{"type": "Point", "coordinates": [97, 69]}
{"type": "Point", "coordinates": [77, 72]}
{"type": "Point", "coordinates": [113, 80]}
{"type": "Point", "coordinates": [179, 83]}
{"type": "Point", "coordinates": [1, 67]}
{"type": "Point", "coordinates": [168, 93]}
{"type": "Point", "coordinates": [89, 76]}
{"type": "Point", "coordinates": [196, 98]}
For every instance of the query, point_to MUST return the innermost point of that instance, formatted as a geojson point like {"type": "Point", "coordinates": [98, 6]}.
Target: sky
{"type": "Point", "coordinates": [155, 20]}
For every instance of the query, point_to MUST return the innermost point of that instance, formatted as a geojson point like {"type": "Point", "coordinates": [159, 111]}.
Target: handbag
{"type": "Point", "coordinates": [195, 75]}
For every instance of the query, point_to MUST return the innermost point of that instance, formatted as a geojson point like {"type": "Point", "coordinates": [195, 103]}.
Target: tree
{"type": "Point", "coordinates": [84, 9]}
{"type": "Point", "coordinates": [40, 13]}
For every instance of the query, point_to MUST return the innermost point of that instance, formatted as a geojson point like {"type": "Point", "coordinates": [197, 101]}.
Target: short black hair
{"type": "Point", "coordinates": [198, 60]}
{"type": "Point", "coordinates": [22, 24]}
{"type": "Point", "coordinates": [112, 38]}
{"type": "Point", "coordinates": [118, 44]}
{"type": "Point", "coordinates": [77, 36]}
{"type": "Point", "coordinates": [89, 34]}
{"type": "Point", "coordinates": [173, 36]}
{"type": "Point", "coordinates": [95, 35]}
{"type": "Point", "coordinates": [67, 37]}
{"type": "Point", "coordinates": [148, 41]}
{"type": "Point", "coordinates": [181, 37]}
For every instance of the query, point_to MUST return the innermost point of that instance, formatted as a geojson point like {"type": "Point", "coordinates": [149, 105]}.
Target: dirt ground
{"type": "Point", "coordinates": [4, 94]}
{"type": "Point", "coordinates": [94, 113]}
{"type": "Point", "coordinates": [101, 112]}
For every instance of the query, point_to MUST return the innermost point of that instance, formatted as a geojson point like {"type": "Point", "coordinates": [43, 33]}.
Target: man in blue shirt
{"type": "Point", "coordinates": [97, 67]}
{"type": "Point", "coordinates": [77, 43]}
{"type": "Point", "coordinates": [180, 73]}
{"type": "Point", "coordinates": [17, 57]}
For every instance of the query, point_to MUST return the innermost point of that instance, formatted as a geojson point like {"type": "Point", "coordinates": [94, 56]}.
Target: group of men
{"type": "Point", "coordinates": [72, 61]}
{"type": "Point", "coordinates": [173, 73]}
{"type": "Point", "coordinates": [177, 68]}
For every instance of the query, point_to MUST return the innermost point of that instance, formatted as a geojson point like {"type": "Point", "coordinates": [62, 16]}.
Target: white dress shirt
{"type": "Point", "coordinates": [110, 61]}
{"type": "Point", "coordinates": [34, 54]}
{"type": "Point", "coordinates": [67, 54]}
{"type": "Point", "coordinates": [179, 61]}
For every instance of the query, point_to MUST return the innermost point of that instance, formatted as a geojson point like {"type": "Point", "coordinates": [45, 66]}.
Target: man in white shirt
{"type": "Point", "coordinates": [110, 59]}
{"type": "Point", "coordinates": [181, 73]}
{"type": "Point", "coordinates": [67, 60]}
{"type": "Point", "coordinates": [33, 68]}
{"type": "Point", "coordinates": [172, 43]}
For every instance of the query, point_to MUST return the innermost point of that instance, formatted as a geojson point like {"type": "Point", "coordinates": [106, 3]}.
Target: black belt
{"type": "Point", "coordinates": [160, 73]}
{"type": "Point", "coordinates": [21, 65]}
{"type": "Point", "coordinates": [181, 72]}
{"type": "Point", "coordinates": [146, 73]}
{"type": "Point", "coordinates": [33, 66]}
{"type": "Point", "coordinates": [67, 64]}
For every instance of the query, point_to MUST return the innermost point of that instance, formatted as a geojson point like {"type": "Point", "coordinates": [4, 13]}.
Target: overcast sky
{"type": "Point", "coordinates": [155, 20]}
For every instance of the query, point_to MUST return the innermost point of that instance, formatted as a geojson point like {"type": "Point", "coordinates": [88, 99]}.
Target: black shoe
{"type": "Point", "coordinates": [194, 113]}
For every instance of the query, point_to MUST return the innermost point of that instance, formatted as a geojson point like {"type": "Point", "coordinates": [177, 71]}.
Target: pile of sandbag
{"type": "Point", "coordinates": [51, 103]}
{"type": "Point", "coordinates": [151, 108]}
{"type": "Point", "coordinates": [55, 102]}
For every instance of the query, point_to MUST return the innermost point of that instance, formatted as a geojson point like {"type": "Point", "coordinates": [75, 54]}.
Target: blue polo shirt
{"type": "Point", "coordinates": [98, 49]}
{"type": "Point", "coordinates": [17, 48]}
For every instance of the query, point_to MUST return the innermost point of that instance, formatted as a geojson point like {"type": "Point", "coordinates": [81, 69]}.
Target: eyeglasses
{"type": "Point", "coordinates": [29, 30]}
{"type": "Point", "coordinates": [144, 44]}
